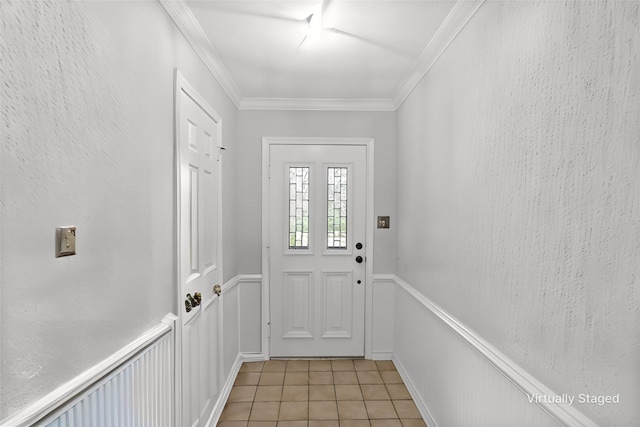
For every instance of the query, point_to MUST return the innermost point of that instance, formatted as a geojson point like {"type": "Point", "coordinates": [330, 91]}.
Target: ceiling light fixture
{"type": "Point", "coordinates": [314, 30]}
{"type": "Point", "coordinates": [315, 25]}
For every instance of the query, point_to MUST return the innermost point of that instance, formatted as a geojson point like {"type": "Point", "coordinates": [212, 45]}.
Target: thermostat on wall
{"type": "Point", "coordinates": [65, 241]}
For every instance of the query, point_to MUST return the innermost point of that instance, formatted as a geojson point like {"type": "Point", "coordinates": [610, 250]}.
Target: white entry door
{"type": "Point", "coordinates": [317, 250]}
{"type": "Point", "coordinates": [199, 254]}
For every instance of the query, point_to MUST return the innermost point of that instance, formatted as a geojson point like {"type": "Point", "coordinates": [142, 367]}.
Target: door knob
{"type": "Point", "coordinates": [187, 305]}
{"type": "Point", "coordinates": [192, 301]}
{"type": "Point", "coordinates": [198, 297]}
{"type": "Point", "coordinates": [217, 290]}
{"type": "Point", "coordinates": [358, 259]}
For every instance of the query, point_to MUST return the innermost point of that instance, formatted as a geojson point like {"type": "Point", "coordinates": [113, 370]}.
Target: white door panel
{"type": "Point", "coordinates": [298, 299]}
{"type": "Point", "coordinates": [199, 254]}
{"type": "Point", "coordinates": [337, 293]}
{"type": "Point", "coordinates": [317, 197]}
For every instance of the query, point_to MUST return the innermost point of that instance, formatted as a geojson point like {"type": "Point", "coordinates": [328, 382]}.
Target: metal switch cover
{"type": "Point", "coordinates": [65, 241]}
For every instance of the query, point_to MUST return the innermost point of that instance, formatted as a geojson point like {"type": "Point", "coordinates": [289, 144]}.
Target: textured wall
{"type": "Point", "coordinates": [253, 125]}
{"type": "Point", "coordinates": [519, 209]}
{"type": "Point", "coordinates": [86, 121]}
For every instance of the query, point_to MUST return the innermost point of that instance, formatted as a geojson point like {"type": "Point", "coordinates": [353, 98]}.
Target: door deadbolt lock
{"type": "Point", "coordinates": [198, 297]}
{"type": "Point", "coordinates": [217, 289]}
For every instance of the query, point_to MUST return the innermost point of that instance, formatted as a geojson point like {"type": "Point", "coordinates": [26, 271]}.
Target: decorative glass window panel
{"type": "Point", "coordinates": [298, 208]}
{"type": "Point", "coordinates": [337, 208]}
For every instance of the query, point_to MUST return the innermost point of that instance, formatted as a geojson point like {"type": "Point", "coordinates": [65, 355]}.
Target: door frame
{"type": "Point", "coordinates": [182, 85]}
{"type": "Point", "coordinates": [267, 142]}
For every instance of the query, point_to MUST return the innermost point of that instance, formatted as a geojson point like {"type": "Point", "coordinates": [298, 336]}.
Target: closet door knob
{"type": "Point", "coordinates": [192, 301]}
{"type": "Point", "coordinates": [359, 259]}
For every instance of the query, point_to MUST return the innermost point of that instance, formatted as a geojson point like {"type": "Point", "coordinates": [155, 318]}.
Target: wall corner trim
{"type": "Point", "coordinates": [453, 24]}
{"type": "Point", "coordinates": [567, 415]}
{"type": "Point", "coordinates": [182, 16]}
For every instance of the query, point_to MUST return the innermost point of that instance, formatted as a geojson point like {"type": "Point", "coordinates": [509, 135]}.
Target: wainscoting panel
{"type": "Point", "coordinates": [138, 394]}
{"type": "Point", "coordinates": [458, 379]}
{"type": "Point", "coordinates": [455, 385]}
{"type": "Point", "coordinates": [382, 327]}
{"type": "Point", "coordinates": [136, 385]}
{"type": "Point", "coordinates": [240, 319]}
{"type": "Point", "coordinates": [455, 378]}
{"type": "Point", "coordinates": [231, 327]}
{"type": "Point", "coordinates": [250, 313]}
{"type": "Point", "coordinates": [133, 387]}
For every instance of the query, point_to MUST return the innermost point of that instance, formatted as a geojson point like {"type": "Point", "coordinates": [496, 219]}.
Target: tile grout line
{"type": "Point", "coordinates": [334, 387]}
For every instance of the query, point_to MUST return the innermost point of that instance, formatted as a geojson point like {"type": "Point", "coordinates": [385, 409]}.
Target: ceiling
{"type": "Point", "coordinates": [353, 55]}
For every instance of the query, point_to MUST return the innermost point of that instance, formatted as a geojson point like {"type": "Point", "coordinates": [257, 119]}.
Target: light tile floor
{"type": "Point", "coordinates": [320, 393]}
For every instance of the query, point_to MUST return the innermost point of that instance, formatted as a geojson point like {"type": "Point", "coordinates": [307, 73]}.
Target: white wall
{"type": "Point", "coordinates": [518, 177]}
{"type": "Point", "coordinates": [253, 125]}
{"type": "Point", "coordinates": [86, 114]}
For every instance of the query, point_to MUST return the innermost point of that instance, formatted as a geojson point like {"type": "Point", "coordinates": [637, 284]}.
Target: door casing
{"type": "Point", "coordinates": [267, 142]}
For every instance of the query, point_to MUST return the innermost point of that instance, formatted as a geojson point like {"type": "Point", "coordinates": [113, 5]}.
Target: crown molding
{"type": "Point", "coordinates": [458, 17]}
{"type": "Point", "coordinates": [455, 21]}
{"type": "Point", "coordinates": [191, 29]}
{"type": "Point", "coordinates": [310, 104]}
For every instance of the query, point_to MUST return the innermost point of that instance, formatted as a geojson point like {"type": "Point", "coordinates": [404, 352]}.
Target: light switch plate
{"type": "Point", "coordinates": [383, 222]}
{"type": "Point", "coordinates": [65, 241]}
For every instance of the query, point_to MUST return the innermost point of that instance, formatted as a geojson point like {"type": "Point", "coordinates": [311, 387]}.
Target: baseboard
{"type": "Point", "coordinates": [228, 384]}
{"type": "Point", "coordinates": [382, 356]}
{"type": "Point", "coordinates": [253, 357]}
{"type": "Point", "coordinates": [420, 404]}
{"type": "Point", "coordinates": [225, 392]}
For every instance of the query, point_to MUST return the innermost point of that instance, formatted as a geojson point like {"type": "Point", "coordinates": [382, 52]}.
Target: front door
{"type": "Point", "coordinates": [199, 254]}
{"type": "Point", "coordinates": [317, 199]}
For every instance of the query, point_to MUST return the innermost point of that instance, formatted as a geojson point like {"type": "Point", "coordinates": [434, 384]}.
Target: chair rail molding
{"type": "Point", "coordinates": [155, 376]}
{"type": "Point", "coordinates": [515, 374]}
